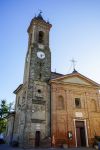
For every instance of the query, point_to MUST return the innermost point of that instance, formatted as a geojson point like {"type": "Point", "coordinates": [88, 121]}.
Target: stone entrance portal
{"type": "Point", "coordinates": [80, 133]}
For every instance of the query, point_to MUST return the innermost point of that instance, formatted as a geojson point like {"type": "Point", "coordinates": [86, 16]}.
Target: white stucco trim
{"type": "Point", "coordinates": [87, 144]}
{"type": "Point", "coordinates": [85, 131]}
{"type": "Point", "coordinates": [75, 132]}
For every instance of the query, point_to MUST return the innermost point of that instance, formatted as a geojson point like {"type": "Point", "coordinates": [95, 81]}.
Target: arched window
{"type": "Point", "coordinates": [93, 105]}
{"type": "Point", "coordinates": [41, 37]}
{"type": "Point", "coordinates": [60, 103]}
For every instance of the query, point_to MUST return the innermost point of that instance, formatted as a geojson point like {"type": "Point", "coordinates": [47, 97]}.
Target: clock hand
{"type": "Point", "coordinates": [41, 55]}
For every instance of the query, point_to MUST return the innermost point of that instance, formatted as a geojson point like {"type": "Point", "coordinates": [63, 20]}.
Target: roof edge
{"type": "Point", "coordinates": [76, 74]}
{"type": "Point", "coordinates": [18, 89]}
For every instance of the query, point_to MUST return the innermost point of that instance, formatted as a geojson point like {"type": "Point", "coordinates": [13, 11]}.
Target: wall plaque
{"type": "Point", "coordinates": [79, 114]}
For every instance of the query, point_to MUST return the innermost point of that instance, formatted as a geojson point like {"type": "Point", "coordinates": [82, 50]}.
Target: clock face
{"type": "Point", "coordinates": [41, 55]}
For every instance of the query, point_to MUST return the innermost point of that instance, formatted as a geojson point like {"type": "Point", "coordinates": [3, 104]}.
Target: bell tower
{"type": "Point", "coordinates": [39, 31]}
{"type": "Point", "coordinates": [36, 88]}
{"type": "Point", "coordinates": [38, 49]}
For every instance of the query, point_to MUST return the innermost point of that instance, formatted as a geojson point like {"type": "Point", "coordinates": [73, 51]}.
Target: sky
{"type": "Point", "coordinates": [75, 34]}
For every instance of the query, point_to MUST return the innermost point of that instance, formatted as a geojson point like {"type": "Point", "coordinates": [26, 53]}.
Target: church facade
{"type": "Point", "coordinates": [51, 108]}
{"type": "Point", "coordinates": [75, 110]}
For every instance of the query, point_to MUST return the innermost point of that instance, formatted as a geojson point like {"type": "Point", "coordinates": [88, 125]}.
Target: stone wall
{"type": "Point", "coordinates": [10, 127]}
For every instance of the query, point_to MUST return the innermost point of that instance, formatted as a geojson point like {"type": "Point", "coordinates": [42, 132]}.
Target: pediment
{"type": "Point", "coordinates": [76, 78]}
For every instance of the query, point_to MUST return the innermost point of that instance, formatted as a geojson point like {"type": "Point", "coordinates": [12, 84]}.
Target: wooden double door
{"type": "Point", "coordinates": [80, 133]}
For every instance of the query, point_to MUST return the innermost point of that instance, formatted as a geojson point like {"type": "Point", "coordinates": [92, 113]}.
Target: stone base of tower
{"type": "Point", "coordinates": [31, 143]}
{"type": "Point", "coordinates": [45, 143]}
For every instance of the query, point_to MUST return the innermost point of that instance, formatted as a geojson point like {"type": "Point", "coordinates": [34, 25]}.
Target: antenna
{"type": "Point", "coordinates": [73, 63]}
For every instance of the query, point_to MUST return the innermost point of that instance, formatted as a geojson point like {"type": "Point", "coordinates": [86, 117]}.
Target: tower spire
{"type": "Point", "coordinates": [40, 15]}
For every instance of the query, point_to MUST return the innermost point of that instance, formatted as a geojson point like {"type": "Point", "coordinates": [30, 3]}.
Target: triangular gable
{"type": "Point", "coordinates": [76, 78]}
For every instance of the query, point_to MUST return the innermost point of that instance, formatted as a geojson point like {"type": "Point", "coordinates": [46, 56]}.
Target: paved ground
{"type": "Point", "coordinates": [6, 147]}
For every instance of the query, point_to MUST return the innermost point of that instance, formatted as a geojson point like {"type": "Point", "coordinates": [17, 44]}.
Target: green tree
{"type": "Point", "coordinates": [4, 110]}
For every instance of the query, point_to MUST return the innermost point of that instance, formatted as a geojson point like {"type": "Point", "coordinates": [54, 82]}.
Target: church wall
{"type": "Point", "coordinates": [63, 120]}
{"type": "Point", "coordinates": [19, 116]}
{"type": "Point", "coordinates": [9, 130]}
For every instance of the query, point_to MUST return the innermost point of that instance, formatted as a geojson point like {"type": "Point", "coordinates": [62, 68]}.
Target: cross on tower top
{"type": "Point", "coordinates": [73, 63]}
{"type": "Point", "coordinates": [40, 11]}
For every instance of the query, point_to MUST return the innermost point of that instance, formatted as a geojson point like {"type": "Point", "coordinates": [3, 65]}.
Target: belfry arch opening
{"type": "Point", "coordinates": [41, 37]}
